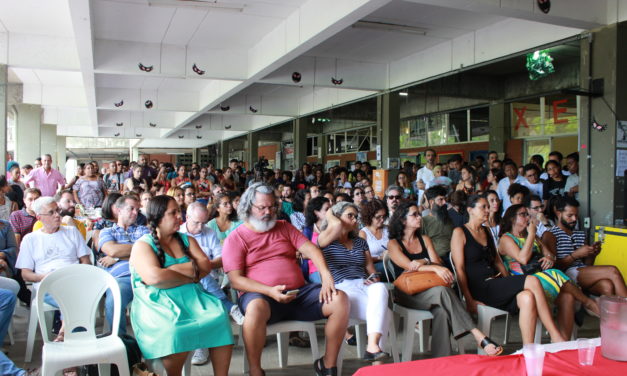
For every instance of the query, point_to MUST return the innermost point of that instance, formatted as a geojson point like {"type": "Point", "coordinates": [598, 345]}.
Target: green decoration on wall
{"type": "Point", "coordinates": [539, 64]}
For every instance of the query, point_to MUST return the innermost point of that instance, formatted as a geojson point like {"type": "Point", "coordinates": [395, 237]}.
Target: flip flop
{"type": "Point", "coordinates": [488, 341]}
{"type": "Point", "coordinates": [321, 370]}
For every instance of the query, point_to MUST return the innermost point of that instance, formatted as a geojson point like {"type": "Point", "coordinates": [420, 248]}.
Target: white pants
{"type": "Point", "coordinates": [368, 303]}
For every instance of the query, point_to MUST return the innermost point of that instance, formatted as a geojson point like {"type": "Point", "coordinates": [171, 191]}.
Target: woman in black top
{"type": "Point", "coordinates": [483, 279]}
{"type": "Point", "coordinates": [411, 251]}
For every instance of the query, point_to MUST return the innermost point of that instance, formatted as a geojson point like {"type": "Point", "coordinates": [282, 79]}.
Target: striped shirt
{"type": "Point", "coordinates": [22, 222]}
{"type": "Point", "coordinates": [346, 263]}
{"type": "Point", "coordinates": [567, 244]}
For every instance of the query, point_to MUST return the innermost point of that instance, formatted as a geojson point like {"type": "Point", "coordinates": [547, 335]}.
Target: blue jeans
{"type": "Point", "coordinates": [212, 287]}
{"type": "Point", "coordinates": [126, 293]}
{"type": "Point", "coordinates": [7, 306]}
{"type": "Point", "coordinates": [315, 277]}
{"type": "Point", "coordinates": [8, 368]}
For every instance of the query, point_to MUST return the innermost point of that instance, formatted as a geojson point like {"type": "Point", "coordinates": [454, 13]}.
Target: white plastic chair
{"type": "Point", "coordinates": [32, 326]}
{"type": "Point", "coordinates": [411, 318]}
{"type": "Point", "coordinates": [78, 289]}
{"type": "Point", "coordinates": [282, 330]}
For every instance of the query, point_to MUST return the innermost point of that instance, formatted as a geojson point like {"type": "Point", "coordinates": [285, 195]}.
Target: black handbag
{"type": "Point", "coordinates": [533, 266]}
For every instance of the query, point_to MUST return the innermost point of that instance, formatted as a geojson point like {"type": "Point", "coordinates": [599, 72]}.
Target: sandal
{"type": "Point", "coordinates": [487, 341]}
{"type": "Point", "coordinates": [351, 341]}
{"type": "Point", "coordinates": [322, 371]}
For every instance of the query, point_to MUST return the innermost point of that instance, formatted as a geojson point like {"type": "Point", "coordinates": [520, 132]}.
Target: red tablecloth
{"type": "Point", "coordinates": [561, 363]}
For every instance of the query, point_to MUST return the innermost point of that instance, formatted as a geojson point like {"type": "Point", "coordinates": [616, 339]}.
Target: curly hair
{"type": "Point", "coordinates": [396, 227]}
{"type": "Point", "coordinates": [155, 211]}
{"type": "Point", "coordinates": [370, 208]}
{"type": "Point", "coordinates": [216, 203]}
{"type": "Point", "coordinates": [516, 188]}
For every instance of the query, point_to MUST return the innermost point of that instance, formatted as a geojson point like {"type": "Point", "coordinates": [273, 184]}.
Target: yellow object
{"type": "Point", "coordinates": [380, 182]}
{"type": "Point", "coordinates": [79, 225]}
{"type": "Point", "coordinates": [614, 248]}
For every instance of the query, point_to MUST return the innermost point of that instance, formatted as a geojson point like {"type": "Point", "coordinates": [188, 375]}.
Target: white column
{"type": "Point", "coordinates": [61, 152]}
{"type": "Point", "coordinates": [49, 142]}
{"type": "Point", "coordinates": [27, 133]}
{"type": "Point", "coordinates": [3, 118]}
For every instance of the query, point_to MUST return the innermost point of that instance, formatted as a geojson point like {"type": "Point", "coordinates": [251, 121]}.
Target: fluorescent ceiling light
{"type": "Point", "coordinates": [385, 26]}
{"type": "Point", "coordinates": [206, 4]}
{"type": "Point", "coordinates": [403, 93]}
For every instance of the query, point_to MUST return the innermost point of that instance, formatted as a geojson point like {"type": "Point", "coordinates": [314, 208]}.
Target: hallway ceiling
{"type": "Point", "coordinates": [190, 73]}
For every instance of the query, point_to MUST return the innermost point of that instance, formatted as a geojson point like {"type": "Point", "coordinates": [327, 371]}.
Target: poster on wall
{"type": "Point", "coordinates": [621, 134]}
{"type": "Point", "coordinates": [621, 162]}
{"type": "Point", "coordinates": [333, 163]}
{"type": "Point", "coordinates": [394, 163]}
{"type": "Point", "coordinates": [362, 156]}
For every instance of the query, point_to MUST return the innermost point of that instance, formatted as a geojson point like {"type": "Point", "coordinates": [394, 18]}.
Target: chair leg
{"type": "Point", "coordinates": [32, 332]}
{"type": "Point", "coordinates": [507, 324]}
{"type": "Point", "coordinates": [392, 339]}
{"type": "Point", "coordinates": [313, 341]}
{"type": "Point", "coordinates": [187, 367]}
{"type": "Point", "coordinates": [104, 369]}
{"type": "Point", "coordinates": [362, 338]}
{"type": "Point", "coordinates": [282, 342]}
{"type": "Point", "coordinates": [340, 358]}
{"type": "Point", "coordinates": [408, 341]}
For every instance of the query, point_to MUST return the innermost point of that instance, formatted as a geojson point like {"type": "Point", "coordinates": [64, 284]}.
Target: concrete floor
{"type": "Point", "coordinates": [300, 361]}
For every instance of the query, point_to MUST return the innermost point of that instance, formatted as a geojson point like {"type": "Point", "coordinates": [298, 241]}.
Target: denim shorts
{"type": "Point", "coordinates": [305, 307]}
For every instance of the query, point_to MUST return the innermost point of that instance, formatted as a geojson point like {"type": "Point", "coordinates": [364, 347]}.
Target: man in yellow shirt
{"type": "Point", "coordinates": [65, 202]}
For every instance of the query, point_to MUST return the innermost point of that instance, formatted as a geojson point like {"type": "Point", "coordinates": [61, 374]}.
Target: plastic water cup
{"type": "Point", "coordinates": [534, 358]}
{"type": "Point", "coordinates": [586, 349]}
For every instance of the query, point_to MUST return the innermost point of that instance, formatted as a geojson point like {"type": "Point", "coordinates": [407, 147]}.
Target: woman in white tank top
{"type": "Point", "coordinates": [373, 215]}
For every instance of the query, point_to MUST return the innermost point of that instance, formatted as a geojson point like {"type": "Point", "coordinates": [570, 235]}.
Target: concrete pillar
{"type": "Point", "coordinates": [300, 142]}
{"type": "Point", "coordinates": [61, 151]}
{"type": "Point", "coordinates": [252, 141]}
{"type": "Point", "coordinates": [196, 155]}
{"type": "Point", "coordinates": [389, 121]}
{"type": "Point", "coordinates": [223, 159]}
{"type": "Point", "coordinates": [49, 142]}
{"type": "Point", "coordinates": [322, 148]}
{"type": "Point", "coordinates": [3, 118]}
{"type": "Point", "coordinates": [133, 153]}
{"type": "Point", "coordinates": [27, 133]}
{"type": "Point", "coordinates": [500, 129]}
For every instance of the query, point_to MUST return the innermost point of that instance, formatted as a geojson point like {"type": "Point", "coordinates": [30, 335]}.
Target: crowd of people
{"type": "Point", "coordinates": [304, 245]}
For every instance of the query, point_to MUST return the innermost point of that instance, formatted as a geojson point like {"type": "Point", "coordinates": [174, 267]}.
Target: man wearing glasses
{"type": "Point", "coordinates": [534, 206]}
{"type": "Point", "coordinates": [260, 259]}
{"type": "Point", "coordinates": [195, 226]}
{"type": "Point", "coordinates": [393, 197]}
{"type": "Point", "coordinates": [116, 243]}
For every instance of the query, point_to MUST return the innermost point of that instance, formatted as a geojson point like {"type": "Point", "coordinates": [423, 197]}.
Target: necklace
{"type": "Point", "coordinates": [470, 228]}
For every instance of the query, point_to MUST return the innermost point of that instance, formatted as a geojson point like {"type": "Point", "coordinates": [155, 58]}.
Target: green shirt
{"type": "Point", "coordinates": [440, 234]}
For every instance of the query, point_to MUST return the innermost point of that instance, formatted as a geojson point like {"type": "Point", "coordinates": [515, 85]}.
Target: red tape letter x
{"type": "Point", "coordinates": [520, 114]}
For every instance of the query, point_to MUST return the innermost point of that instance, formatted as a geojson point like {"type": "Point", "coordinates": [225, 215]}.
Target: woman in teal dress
{"type": "Point", "coordinates": [518, 246]}
{"type": "Point", "coordinates": [225, 217]}
{"type": "Point", "coordinates": [171, 313]}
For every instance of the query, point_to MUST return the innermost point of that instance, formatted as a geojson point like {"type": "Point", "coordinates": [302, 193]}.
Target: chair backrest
{"type": "Point", "coordinates": [388, 267]}
{"type": "Point", "coordinates": [78, 289]}
{"type": "Point", "coordinates": [459, 290]}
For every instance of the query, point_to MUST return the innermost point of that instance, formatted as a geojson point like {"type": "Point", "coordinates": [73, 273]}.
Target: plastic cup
{"type": "Point", "coordinates": [586, 349]}
{"type": "Point", "coordinates": [534, 358]}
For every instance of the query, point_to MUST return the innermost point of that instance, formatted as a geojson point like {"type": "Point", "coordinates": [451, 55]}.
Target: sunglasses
{"type": "Point", "coordinates": [394, 197]}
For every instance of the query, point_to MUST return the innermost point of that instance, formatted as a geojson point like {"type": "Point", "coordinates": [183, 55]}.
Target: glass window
{"type": "Point", "coordinates": [457, 127]}
{"type": "Point", "coordinates": [436, 129]}
{"type": "Point", "coordinates": [413, 133]}
{"type": "Point", "coordinates": [480, 124]}
{"type": "Point", "coordinates": [312, 146]}
{"type": "Point", "coordinates": [560, 114]}
{"type": "Point", "coordinates": [336, 143]}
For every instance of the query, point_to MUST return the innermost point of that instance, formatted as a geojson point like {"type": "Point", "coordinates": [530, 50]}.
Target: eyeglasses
{"type": "Point", "coordinates": [264, 208]}
{"type": "Point", "coordinates": [52, 212]}
{"type": "Point", "coordinates": [394, 197]}
{"type": "Point", "coordinates": [414, 214]}
{"type": "Point", "coordinates": [357, 193]}
{"type": "Point", "coordinates": [523, 214]}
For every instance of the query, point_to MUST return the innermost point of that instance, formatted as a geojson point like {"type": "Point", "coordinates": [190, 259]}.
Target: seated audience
{"type": "Point", "coordinates": [353, 272]}
{"type": "Point", "coordinates": [375, 232]}
{"type": "Point", "coordinates": [301, 199]}
{"type": "Point", "coordinates": [315, 215]}
{"type": "Point", "coordinates": [468, 181]}
{"type": "Point", "coordinates": [412, 251]}
{"type": "Point", "coordinates": [517, 193]}
{"type": "Point", "coordinates": [531, 172]}
{"type": "Point", "coordinates": [484, 280]}
{"type": "Point", "coordinates": [50, 248]}
{"type": "Point", "coordinates": [6, 205]}
{"type": "Point", "coordinates": [393, 197]}
{"type": "Point", "coordinates": [493, 178]}
{"type": "Point", "coordinates": [576, 257]}
{"type": "Point", "coordinates": [22, 221]}
{"type": "Point", "coordinates": [116, 243]}
{"type": "Point", "coordinates": [170, 308]}
{"type": "Point", "coordinates": [225, 218]}
{"type": "Point", "coordinates": [524, 254]}
{"type": "Point", "coordinates": [535, 208]}
{"type": "Point", "coordinates": [457, 211]}
{"type": "Point", "coordinates": [572, 182]}
{"type": "Point", "coordinates": [437, 225]}
{"type": "Point", "coordinates": [554, 185]}
{"type": "Point", "coordinates": [67, 209]}
{"type": "Point", "coordinates": [511, 176]}
{"type": "Point", "coordinates": [252, 254]}
{"type": "Point", "coordinates": [135, 180]}
{"type": "Point", "coordinates": [494, 218]}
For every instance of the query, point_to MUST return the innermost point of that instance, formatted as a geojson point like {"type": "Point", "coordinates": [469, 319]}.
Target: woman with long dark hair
{"type": "Point", "coordinates": [314, 218]}
{"type": "Point", "coordinates": [224, 217]}
{"type": "Point", "coordinates": [521, 249]}
{"type": "Point", "coordinates": [494, 219]}
{"type": "Point", "coordinates": [373, 215]}
{"type": "Point", "coordinates": [170, 308]}
{"type": "Point", "coordinates": [483, 279]}
{"type": "Point", "coordinates": [299, 203]}
{"type": "Point", "coordinates": [412, 251]}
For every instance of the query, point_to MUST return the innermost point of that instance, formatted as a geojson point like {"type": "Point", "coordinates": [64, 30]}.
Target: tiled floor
{"type": "Point", "coordinates": [300, 362]}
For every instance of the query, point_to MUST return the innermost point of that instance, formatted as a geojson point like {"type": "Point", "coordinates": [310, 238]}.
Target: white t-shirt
{"type": "Point", "coordinates": [44, 253]}
{"type": "Point", "coordinates": [535, 189]}
{"type": "Point", "coordinates": [426, 175]}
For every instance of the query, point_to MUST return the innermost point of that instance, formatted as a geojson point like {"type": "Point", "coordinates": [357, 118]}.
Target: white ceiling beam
{"type": "Point", "coordinates": [581, 14]}
{"type": "Point", "coordinates": [135, 99]}
{"type": "Point", "coordinates": [234, 122]}
{"type": "Point", "coordinates": [80, 12]}
{"type": "Point", "coordinates": [38, 51]}
{"type": "Point", "coordinates": [314, 22]}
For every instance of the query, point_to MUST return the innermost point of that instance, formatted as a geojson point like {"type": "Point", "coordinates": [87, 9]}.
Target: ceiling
{"type": "Point", "coordinates": [185, 74]}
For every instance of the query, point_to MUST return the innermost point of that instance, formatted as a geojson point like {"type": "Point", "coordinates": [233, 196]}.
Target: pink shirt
{"type": "Point", "coordinates": [46, 182]}
{"type": "Point", "coordinates": [268, 257]}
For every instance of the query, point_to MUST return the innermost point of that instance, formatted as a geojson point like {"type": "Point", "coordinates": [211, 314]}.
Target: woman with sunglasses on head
{"type": "Point", "coordinates": [521, 249]}
{"type": "Point", "coordinates": [484, 280]}
{"type": "Point", "coordinates": [349, 261]}
{"type": "Point", "coordinates": [224, 217]}
{"type": "Point", "coordinates": [170, 308]}
{"type": "Point", "coordinates": [375, 232]}
{"type": "Point", "coordinates": [411, 251]}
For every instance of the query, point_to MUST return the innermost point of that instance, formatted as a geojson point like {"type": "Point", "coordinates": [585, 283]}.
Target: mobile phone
{"type": "Point", "coordinates": [291, 292]}
{"type": "Point", "coordinates": [373, 276]}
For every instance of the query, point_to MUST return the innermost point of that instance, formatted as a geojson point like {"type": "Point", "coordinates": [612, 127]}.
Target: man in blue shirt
{"type": "Point", "coordinates": [116, 242]}
{"type": "Point", "coordinates": [511, 177]}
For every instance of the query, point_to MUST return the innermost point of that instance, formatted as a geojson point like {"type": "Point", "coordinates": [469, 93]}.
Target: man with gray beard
{"type": "Point", "coordinates": [437, 225]}
{"type": "Point", "coordinates": [260, 259]}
